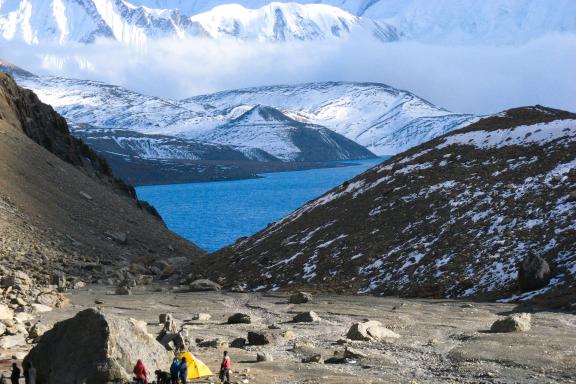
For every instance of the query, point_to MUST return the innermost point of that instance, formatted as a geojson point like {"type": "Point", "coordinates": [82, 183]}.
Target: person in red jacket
{"type": "Point", "coordinates": [225, 369]}
{"type": "Point", "coordinates": [140, 373]}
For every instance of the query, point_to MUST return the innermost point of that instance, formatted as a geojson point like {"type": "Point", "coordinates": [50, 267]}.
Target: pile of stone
{"type": "Point", "coordinates": [22, 299]}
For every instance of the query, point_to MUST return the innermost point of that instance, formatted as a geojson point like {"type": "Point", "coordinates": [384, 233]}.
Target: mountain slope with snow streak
{"type": "Point", "coordinates": [385, 120]}
{"type": "Point", "coordinates": [452, 217]}
{"type": "Point", "coordinates": [270, 130]}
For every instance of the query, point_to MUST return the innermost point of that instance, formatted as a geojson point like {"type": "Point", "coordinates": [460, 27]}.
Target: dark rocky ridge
{"type": "Point", "coordinates": [435, 221]}
{"type": "Point", "coordinates": [60, 207]}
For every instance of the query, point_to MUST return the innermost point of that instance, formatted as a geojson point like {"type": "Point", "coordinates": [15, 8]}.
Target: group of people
{"type": "Point", "coordinates": [29, 374]}
{"type": "Point", "coordinates": [179, 372]}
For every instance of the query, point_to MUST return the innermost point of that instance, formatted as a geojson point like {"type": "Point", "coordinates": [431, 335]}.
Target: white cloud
{"type": "Point", "coordinates": [478, 79]}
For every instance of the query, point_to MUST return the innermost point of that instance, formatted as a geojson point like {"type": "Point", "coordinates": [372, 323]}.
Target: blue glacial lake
{"type": "Point", "coordinates": [215, 214]}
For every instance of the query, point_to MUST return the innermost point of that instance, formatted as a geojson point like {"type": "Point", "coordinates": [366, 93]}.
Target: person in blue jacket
{"type": "Point", "coordinates": [175, 371]}
{"type": "Point", "coordinates": [184, 370]}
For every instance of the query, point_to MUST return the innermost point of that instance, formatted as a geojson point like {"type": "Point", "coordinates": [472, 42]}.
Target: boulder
{"type": "Point", "coordinates": [533, 273]}
{"type": "Point", "coordinates": [239, 342]}
{"type": "Point", "coordinates": [94, 347]}
{"type": "Point", "coordinates": [316, 358]}
{"type": "Point", "coordinates": [53, 299]}
{"type": "Point", "coordinates": [123, 290]}
{"type": "Point", "coordinates": [239, 318]}
{"type": "Point", "coordinates": [5, 312]}
{"type": "Point", "coordinates": [2, 329]}
{"type": "Point", "coordinates": [201, 316]}
{"type": "Point", "coordinates": [213, 343]}
{"type": "Point", "coordinates": [370, 331]}
{"type": "Point", "coordinates": [40, 308]}
{"type": "Point", "coordinates": [351, 353]}
{"type": "Point", "coordinates": [38, 330]}
{"type": "Point", "coordinates": [17, 279]}
{"type": "Point", "coordinates": [204, 285]}
{"type": "Point", "coordinates": [263, 356]}
{"type": "Point", "coordinates": [306, 317]}
{"type": "Point", "coordinates": [300, 298]}
{"type": "Point", "coordinates": [518, 322]}
{"type": "Point", "coordinates": [117, 236]}
{"type": "Point", "coordinates": [269, 337]}
{"type": "Point", "coordinates": [7, 342]}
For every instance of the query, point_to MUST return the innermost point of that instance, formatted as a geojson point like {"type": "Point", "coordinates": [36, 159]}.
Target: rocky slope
{"type": "Point", "coordinates": [60, 207]}
{"type": "Point", "coordinates": [453, 217]}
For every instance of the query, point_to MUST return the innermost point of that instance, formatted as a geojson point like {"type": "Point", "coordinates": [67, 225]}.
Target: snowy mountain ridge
{"type": "Point", "coordinates": [136, 22]}
{"type": "Point", "coordinates": [383, 119]}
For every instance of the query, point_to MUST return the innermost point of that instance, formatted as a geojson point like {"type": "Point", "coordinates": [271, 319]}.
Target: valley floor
{"type": "Point", "coordinates": [441, 341]}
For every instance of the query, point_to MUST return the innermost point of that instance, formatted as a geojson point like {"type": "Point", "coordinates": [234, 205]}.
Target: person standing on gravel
{"type": "Point", "coordinates": [225, 368]}
{"type": "Point", "coordinates": [184, 370]}
{"type": "Point", "coordinates": [140, 373]}
{"type": "Point", "coordinates": [15, 376]}
{"type": "Point", "coordinates": [175, 371]}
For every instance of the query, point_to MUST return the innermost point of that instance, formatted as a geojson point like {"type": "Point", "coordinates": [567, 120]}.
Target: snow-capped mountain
{"type": "Point", "coordinates": [84, 21]}
{"type": "Point", "coordinates": [285, 138]}
{"type": "Point", "coordinates": [136, 22]}
{"type": "Point", "coordinates": [383, 119]}
{"type": "Point", "coordinates": [453, 217]}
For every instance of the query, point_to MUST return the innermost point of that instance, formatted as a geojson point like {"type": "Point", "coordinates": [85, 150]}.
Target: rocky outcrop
{"type": "Point", "coordinates": [518, 322]}
{"type": "Point", "coordinates": [95, 348]}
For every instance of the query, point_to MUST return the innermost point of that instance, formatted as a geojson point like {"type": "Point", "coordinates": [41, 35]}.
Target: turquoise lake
{"type": "Point", "coordinates": [215, 214]}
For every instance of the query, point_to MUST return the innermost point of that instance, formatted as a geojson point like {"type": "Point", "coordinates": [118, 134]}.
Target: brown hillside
{"type": "Point", "coordinates": [60, 207]}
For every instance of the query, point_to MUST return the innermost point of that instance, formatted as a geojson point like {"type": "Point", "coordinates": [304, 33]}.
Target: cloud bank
{"type": "Point", "coordinates": [472, 79]}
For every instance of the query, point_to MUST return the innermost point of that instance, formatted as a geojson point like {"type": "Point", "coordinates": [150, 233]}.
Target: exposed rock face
{"type": "Point", "coordinates": [239, 318]}
{"type": "Point", "coordinates": [518, 322]}
{"type": "Point", "coordinates": [533, 273]}
{"type": "Point", "coordinates": [452, 217]}
{"type": "Point", "coordinates": [300, 298]}
{"type": "Point", "coordinates": [306, 317]}
{"type": "Point", "coordinates": [370, 331]}
{"type": "Point", "coordinates": [95, 348]}
{"type": "Point", "coordinates": [204, 285]}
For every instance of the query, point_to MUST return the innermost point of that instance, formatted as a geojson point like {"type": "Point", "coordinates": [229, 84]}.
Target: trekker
{"type": "Point", "coordinates": [184, 370]}
{"type": "Point", "coordinates": [225, 368]}
{"type": "Point", "coordinates": [140, 373]}
{"type": "Point", "coordinates": [15, 376]}
{"type": "Point", "coordinates": [175, 371]}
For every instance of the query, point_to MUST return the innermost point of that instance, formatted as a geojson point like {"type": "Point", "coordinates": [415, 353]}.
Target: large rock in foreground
{"type": "Point", "coordinates": [370, 331]}
{"type": "Point", "coordinates": [95, 348]}
{"type": "Point", "coordinates": [518, 322]}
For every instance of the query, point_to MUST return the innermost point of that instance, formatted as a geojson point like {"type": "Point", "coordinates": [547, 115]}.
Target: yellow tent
{"type": "Point", "coordinates": [196, 368]}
